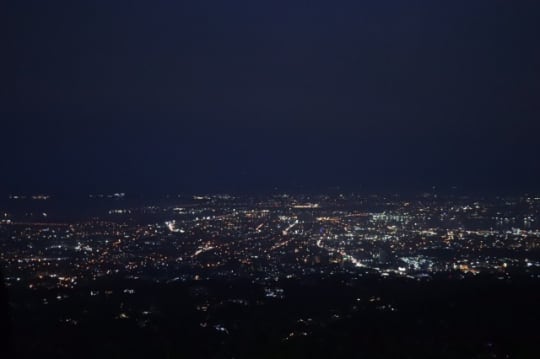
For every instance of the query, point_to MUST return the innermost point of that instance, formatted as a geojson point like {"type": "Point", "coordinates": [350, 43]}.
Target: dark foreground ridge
{"type": "Point", "coordinates": [5, 321]}
{"type": "Point", "coordinates": [480, 317]}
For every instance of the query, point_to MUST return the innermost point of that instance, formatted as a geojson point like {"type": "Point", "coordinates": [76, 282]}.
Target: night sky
{"type": "Point", "coordinates": [205, 96]}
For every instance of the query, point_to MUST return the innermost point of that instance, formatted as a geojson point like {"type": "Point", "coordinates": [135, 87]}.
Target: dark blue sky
{"type": "Point", "coordinates": [206, 95]}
